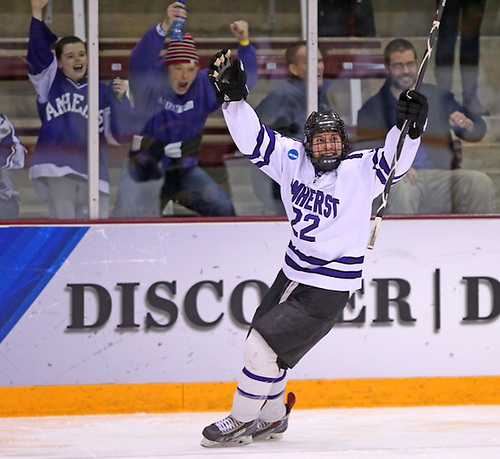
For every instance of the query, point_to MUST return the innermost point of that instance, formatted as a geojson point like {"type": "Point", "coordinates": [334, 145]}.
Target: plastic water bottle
{"type": "Point", "coordinates": [178, 28]}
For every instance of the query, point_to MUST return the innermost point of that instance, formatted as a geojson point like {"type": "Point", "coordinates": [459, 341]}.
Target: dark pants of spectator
{"type": "Point", "coordinates": [194, 189]}
{"type": "Point", "coordinates": [346, 18]}
{"type": "Point", "coordinates": [464, 16]}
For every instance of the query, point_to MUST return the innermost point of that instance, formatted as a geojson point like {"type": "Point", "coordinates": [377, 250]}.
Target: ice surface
{"type": "Point", "coordinates": [424, 432]}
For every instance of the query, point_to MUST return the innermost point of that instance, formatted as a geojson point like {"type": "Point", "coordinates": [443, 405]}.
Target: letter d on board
{"type": "Point", "coordinates": [473, 284]}
{"type": "Point", "coordinates": [103, 299]}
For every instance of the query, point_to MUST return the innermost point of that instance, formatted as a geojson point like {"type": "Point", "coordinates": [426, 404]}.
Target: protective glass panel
{"type": "Point", "coordinates": [165, 149]}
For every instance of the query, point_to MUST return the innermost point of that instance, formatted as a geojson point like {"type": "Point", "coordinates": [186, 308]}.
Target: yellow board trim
{"type": "Point", "coordinates": [164, 398]}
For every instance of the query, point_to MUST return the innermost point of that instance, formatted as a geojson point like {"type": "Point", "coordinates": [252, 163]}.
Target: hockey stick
{"type": "Point", "coordinates": [405, 128]}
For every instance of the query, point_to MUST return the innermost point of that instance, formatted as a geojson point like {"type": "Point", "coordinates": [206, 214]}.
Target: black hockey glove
{"type": "Point", "coordinates": [228, 78]}
{"type": "Point", "coordinates": [412, 106]}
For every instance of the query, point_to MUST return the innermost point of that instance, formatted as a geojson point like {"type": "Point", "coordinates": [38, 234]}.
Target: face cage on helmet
{"type": "Point", "coordinates": [325, 163]}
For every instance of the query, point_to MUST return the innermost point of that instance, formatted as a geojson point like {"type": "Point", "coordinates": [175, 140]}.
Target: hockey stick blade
{"type": "Point", "coordinates": [404, 130]}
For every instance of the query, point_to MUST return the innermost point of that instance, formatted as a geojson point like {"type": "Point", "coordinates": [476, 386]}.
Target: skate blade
{"type": "Point", "coordinates": [242, 441]}
{"type": "Point", "coordinates": [271, 436]}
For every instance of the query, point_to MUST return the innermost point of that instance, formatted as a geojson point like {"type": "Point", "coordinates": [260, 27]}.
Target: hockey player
{"type": "Point", "coordinates": [327, 194]}
{"type": "Point", "coordinates": [59, 165]}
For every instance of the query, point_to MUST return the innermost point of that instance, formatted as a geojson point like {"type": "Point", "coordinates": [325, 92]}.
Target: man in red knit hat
{"type": "Point", "coordinates": [174, 99]}
{"type": "Point", "coordinates": [182, 62]}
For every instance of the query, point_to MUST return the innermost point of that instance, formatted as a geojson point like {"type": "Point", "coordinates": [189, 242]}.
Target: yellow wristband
{"type": "Point", "coordinates": [245, 43]}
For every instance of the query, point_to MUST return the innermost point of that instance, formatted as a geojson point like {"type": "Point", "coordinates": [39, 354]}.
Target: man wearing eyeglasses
{"type": "Point", "coordinates": [435, 184]}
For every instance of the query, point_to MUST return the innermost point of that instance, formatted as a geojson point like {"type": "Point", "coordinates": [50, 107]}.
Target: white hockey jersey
{"type": "Point", "coordinates": [329, 212]}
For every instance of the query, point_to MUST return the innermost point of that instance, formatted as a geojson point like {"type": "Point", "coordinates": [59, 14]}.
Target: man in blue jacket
{"type": "Point", "coordinates": [436, 183]}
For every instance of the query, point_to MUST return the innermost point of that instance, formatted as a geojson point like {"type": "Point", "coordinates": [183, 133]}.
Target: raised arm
{"type": "Point", "coordinates": [37, 7]}
{"type": "Point", "coordinates": [144, 57]}
{"type": "Point", "coordinates": [411, 117]}
{"type": "Point", "coordinates": [258, 143]}
{"type": "Point", "coordinates": [243, 125]}
{"type": "Point", "coordinates": [41, 61]}
{"type": "Point", "coordinates": [246, 51]}
{"type": "Point", "coordinates": [175, 11]}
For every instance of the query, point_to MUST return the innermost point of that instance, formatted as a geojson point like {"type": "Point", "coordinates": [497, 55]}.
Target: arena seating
{"type": "Point", "coordinates": [344, 59]}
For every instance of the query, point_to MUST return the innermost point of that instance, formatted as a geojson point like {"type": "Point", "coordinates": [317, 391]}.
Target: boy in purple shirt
{"type": "Point", "coordinates": [59, 165]}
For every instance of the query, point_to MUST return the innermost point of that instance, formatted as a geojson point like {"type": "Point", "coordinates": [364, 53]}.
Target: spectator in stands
{"type": "Point", "coordinates": [466, 15]}
{"type": "Point", "coordinates": [59, 165]}
{"type": "Point", "coordinates": [346, 18]}
{"type": "Point", "coordinates": [174, 99]}
{"type": "Point", "coordinates": [12, 154]}
{"type": "Point", "coordinates": [435, 184]}
{"type": "Point", "coordinates": [284, 110]}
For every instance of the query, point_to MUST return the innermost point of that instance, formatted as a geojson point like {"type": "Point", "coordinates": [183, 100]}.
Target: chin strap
{"type": "Point", "coordinates": [326, 163]}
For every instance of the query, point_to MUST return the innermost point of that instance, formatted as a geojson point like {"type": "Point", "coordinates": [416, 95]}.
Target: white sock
{"type": "Point", "coordinates": [274, 408]}
{"type": "Point", "coordinates": [257, 378]}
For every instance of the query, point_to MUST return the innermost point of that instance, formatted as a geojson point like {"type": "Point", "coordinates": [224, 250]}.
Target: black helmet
{"type": "Point", "coordinates": [325, 121]}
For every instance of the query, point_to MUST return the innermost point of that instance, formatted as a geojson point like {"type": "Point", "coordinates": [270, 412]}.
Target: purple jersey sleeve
{"type": "Point", "coordinates": [40, 42]}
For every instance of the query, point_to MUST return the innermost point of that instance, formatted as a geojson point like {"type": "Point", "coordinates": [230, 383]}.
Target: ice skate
{"type": "Point", "coordinates": [228, 432]}
{"type": "Point", "coordinates": [274, 430]}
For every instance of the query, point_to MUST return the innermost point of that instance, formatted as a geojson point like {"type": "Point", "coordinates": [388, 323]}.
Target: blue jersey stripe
{"type": "Point", "coordinates": [252, 396]}
{"type": "Point", "coordinates": [274, 397]}
{"type": "Point", "coordinates": [269, 149]}
{"type": "Point", "coordinates": [260, 138]}
{"type": "Point", "coordinates": [384, 165]}
{"type": "Point", "coordinates": [320, 262]}
{"type": "Point", "coordinates": [354, 156]}
{"type": "Point", "coordinates": [329, 272]}
{"type": "Point", "coordinates": [382, 178]}
{"type": "Point", "coordinates": [351, 260]}
{"type": "Point", "coordinates": [255, 377]}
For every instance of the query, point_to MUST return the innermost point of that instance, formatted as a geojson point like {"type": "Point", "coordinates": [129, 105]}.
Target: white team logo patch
{"type": "Point", "coordinates": [293, 154]}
